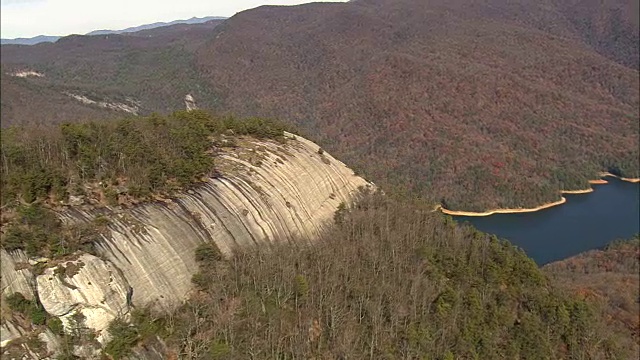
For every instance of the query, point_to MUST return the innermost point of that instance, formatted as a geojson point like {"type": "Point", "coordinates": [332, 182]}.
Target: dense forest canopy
{"type": "Point", "coordinates": [107, 163]}
{"type": "Point", "coordinates": [392, 280]}
{"type": "Point", "coordinates": [478, 105]}
{"type": "Point", "coordinates": [495, 104]}
{"type": "Point", "coordinates": [610, 278]}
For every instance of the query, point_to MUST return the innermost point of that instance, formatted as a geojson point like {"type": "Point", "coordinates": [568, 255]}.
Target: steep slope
{"type": "Point", "coordinates": [265, 192]}
{"type": "Point", "coordinates": [392, 280]}
{"type": "Point", "coordinates": [487, 105]}
{"type": "Point", "coordinates": [609, 278]}
{"type": "Point", "coordinates": [608, 27]}
{"type": "Point", "coordinates": [492, 104]}
{"type": "Point", "coordinates": [34, 101]}
{"type": "Point", "coordinates": [154, 67]}
{"type": "Point", "coordinates": [292, 194]}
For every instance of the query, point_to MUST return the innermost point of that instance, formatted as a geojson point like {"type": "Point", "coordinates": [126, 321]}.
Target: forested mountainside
{"type": "Point", "coordinates": [608, 278]}
{"type": "Point", "coordinates": [472, 105]}
{"type": "Point", "coordinates": [37, 102]}
{"type": "Point", "coordinates": [150, 71]}
{"type": "Point", "coordinates": [250, 247]}
{"type": "Point", "coordinates": [477, 105]}
{"type": "Point", "coordinates": [101, 217]}
{"type": "Point", "coordinates": [609, 27]}
{"type": "Point", "coordinates": [390, 280]}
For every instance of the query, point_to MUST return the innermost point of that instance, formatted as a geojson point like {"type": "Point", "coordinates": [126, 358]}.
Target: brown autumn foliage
{"type": "Point", "coordinates": [476, 105]}
{"type": "Point", "coordinates": [153, 69]}
{"type": "Point", "coordinates": [473, 105]}
{"type": "Point", "coordinates": [609, 278]}
{"type": "Point", "coordinates": [392, 280]}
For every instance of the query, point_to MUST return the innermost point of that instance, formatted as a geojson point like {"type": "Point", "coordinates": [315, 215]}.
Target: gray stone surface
{"type": "Point", "coordinates": [147, 258]}
{"type": "Point", "coordinates": [98, 291]}
{"type": "Point", "coordinates": [15, 275]}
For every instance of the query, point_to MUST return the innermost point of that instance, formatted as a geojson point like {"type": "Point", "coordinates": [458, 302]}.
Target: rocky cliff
{"type": "Point", "coordinates": [265, 191]}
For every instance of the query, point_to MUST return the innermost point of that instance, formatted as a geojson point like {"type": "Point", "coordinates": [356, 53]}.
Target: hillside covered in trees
{"type": "Point", "coordinates": [392, 280]}
{"type": "Point", "coordinates": [609, 278]}
{"type": "Point", "coordinates": [471, 105]}
{"type": "Point", "coordinates": [150, 70]}
{"type": "Point", "coordinates": [477, 105]}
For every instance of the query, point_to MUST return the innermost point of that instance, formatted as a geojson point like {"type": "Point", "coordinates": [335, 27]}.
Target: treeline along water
{"type": "Point", "coordinates": [584, 222]}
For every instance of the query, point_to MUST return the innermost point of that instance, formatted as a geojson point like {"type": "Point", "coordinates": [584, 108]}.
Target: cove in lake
{"type": "Point", "coordinates": [585, 222]}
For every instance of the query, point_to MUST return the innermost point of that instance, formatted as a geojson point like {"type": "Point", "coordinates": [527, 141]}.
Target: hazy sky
{"type": "Point", "coordinates": [28, 18]}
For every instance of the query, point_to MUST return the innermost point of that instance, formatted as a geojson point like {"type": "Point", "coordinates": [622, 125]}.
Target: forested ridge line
{"type": "Point", "coordinates": [391, 280]}
{"type": "Point", "coordinates": [610, 278]}
{"type": "Point", "coordinates": [489, 105]}
{"type": "Point", "coordinates": [110, 163]}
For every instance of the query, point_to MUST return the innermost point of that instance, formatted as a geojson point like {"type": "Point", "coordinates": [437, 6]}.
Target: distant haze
{"type": "Point", "coordinates": [44, 38]}
{"type": "Point", "coordinates": [30, 18]}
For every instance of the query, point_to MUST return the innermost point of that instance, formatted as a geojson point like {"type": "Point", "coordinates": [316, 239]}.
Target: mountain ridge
{"type": "Point", "coordinates": [422, 94]}
{"type": "Point", "coordinates": [427, 90]}
{"type": "Point", "coordinates": [53, 38]}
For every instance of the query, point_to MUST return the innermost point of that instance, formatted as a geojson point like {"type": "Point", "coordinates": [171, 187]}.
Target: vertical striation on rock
{"type": "Point", "coordinates": [154, 246]}
{"type": "Point", "coordinates": [9, 332]}
{"type": "Point", "coordinates": [15, 274]}
{"type": "Point", "coordinates": [88, 285]}
{"type": "Point", "coordinates": [267, 191]}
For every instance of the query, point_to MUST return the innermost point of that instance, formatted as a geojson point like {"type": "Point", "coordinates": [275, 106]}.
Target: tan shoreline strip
{"type": "Point", "coordinates": [541, 207]}
{"type": "Point", "coordinates": [585, 191]}
{"type": "Point", "coordinates": [631, 180]}
{"type": "Point", "coordinates": [502, 211]}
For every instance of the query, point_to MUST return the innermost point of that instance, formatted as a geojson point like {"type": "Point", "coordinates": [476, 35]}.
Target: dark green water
{"type": "Point", "coordinates": [584, 222]}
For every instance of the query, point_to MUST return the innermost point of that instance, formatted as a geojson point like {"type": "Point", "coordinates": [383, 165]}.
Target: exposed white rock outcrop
{"type": "Point", "coordinates": [267, 192]}
{"type": "Point", "coordinates": [132, 109]}
{"type": "Point", "coordinates": [89, 285]}
{"type": "Point", "coordinates": [51, 341]}
{"type": "Point", "coordinates": [27, 73]}
{"type": "Point", "coordinates": [9, 332]}
{"type": "Point", "coordinates": [15, 275]}
{"type": "Point", "coordinates": [190, 103]}
{"type": "Point", "coordinates": [154, 246]}
{"type": "Point", "coordinates": [291, 194]}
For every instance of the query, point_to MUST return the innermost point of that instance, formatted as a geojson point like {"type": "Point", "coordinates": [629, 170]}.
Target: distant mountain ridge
{"type": "Point", "coordinates": [490, 106]}
{"type": "Point", "coordinates": [476, 105]}
{"type": "Point", "coordinates": [30, 41]}
{"type": "Point", "coordinates": [47, 38]}
{"type": "Point", "coordinates": [193, 20]}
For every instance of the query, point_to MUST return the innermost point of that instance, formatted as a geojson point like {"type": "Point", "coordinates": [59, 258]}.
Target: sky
{"type": "Point", "coordinates": [28, 18]}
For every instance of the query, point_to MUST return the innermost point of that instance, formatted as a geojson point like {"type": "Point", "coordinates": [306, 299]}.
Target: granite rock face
{"type": "Point", "coordinates": [9, 332]}
{"type": "Point", "coordinates": [264, 192]}
{"type": "Point", "coordinates": [88, 285]}
{"type": "Point", "coordinates": [267, 191]}
{"type": "Point", "coordinates": [15, 274]}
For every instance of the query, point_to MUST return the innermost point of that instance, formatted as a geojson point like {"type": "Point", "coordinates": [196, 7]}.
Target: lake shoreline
{"type": "Point", "coordinates": [541, 207]}
{"type": "Point", "coordinates": [502, 211]}
{"type": "Point", "coordinates": [631, 180]}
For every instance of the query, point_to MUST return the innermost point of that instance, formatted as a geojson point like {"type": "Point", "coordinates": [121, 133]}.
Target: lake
{"type": "Point", "coordinates": [585, 222]}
